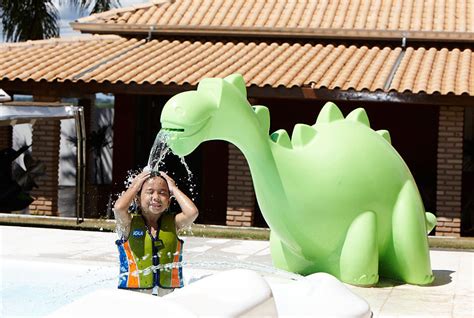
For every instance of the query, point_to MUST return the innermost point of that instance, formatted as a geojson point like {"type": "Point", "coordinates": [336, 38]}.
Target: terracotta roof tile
{"type": "Point", "coordinates": [435, 71]}
{"type": "Point", "coordinates": [295, 16]}
{"type": "Point", "coordinates": [119, 60]}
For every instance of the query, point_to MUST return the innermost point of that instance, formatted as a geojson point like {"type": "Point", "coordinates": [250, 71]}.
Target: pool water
{"type": "Point", "coordinates": [33, 288]}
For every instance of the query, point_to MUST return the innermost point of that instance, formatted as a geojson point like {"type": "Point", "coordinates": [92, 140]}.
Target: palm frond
{"type": "Point", "coordinates": [38, 19]}
{"type": "Point", "coordinates": [95, 5]}
{"type": "Point", "coordinates": [29, 20]}
{"type": "Point", "coordinates": [105, 5]}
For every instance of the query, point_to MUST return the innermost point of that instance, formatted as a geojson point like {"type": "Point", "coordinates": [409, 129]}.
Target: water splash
{"type": "Point", "coordinates": [158, 153]}
{"type": "Point", "coordinates": [186, 231]}
{"type": "Point", "coordinates": [189, 179]}
{"type": "Point", "coordinates": [263, 270]}
{"type": "Point", "coordinates": [183, 162]}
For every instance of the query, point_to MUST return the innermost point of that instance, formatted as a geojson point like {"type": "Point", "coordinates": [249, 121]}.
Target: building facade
{"type": "Point", "coordinates": [410, 67]}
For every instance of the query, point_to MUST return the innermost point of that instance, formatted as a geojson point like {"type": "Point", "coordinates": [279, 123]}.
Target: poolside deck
{"type": "Point", "coordinates": [451, 295]}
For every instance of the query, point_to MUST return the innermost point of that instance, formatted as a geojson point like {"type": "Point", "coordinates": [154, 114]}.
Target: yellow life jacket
{"type": "Point", "coordinates": [141, 255]}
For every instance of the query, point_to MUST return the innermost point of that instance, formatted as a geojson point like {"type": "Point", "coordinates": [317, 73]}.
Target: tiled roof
{"type": "Point", "coordinates": [113, 59]}
{"type": "Point", "coordinates": [453, 19]}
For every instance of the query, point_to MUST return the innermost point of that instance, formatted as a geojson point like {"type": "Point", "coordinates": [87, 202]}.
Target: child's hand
{"type": "Point", "coordinates": [170, 181]}
{"type": "Point", "coordinates": [137, 183]}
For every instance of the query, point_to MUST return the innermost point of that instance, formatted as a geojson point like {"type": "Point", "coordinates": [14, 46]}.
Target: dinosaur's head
{"type": "Point", "coordinates": [184, 117]}
{"type": "Point", "coordinates": [190, 117]}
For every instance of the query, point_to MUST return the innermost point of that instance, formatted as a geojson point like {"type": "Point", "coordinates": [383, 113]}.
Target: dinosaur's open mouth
{"type": "Point", "coordinates": [173, 129]}
{"type": "Point", "coordinates": [181, 130]}
{"type": "Point", "coordinates": [183, 139]}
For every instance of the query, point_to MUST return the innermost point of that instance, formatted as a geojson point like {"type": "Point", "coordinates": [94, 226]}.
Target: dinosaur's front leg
{"type": "Point", "coordinates": [359, 255]}
{"type": "Point", "coordinates": [285, 258]}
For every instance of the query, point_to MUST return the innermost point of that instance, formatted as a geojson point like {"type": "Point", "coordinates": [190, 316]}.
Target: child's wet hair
{"type": "Point", "coordinates": [154, 173]}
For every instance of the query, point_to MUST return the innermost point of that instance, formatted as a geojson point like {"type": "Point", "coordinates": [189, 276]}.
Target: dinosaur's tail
{"type": "Point", "coordinates": [430, 221]}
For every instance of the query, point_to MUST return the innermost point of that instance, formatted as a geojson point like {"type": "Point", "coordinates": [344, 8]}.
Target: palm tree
{"type": "Point", "coordinates": [38, 19]}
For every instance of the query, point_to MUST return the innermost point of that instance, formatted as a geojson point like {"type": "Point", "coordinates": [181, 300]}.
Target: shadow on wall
{"type": "Point", "coordinates": [99, 145]}
{"type": "Point", "coordinates": [17, 182]}
{"type": "Point", "coordinates": [67, 201]}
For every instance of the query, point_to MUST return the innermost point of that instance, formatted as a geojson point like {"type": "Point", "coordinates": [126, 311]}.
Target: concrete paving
{"type": "Point", "coordinates": [451, 294]}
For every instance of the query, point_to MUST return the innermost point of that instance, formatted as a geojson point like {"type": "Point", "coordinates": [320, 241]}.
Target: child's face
{"type": "Point", "coordinates": [155, 196]}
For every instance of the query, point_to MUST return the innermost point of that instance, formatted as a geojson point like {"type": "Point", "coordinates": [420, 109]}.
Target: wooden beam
{"type": "Point", "coordinates": [362, 96]}
{"type": "Point", "coordinates": [270, 32]}
{"type": "Point", "coordinates": [79, 89]}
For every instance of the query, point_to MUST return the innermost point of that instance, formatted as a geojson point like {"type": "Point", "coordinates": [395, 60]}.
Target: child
{"type": "Point", "coordinates": [147, 232]}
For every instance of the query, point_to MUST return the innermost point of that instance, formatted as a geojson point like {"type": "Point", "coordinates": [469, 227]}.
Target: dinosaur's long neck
{"type": "Point", "coordinates": [254, 143]}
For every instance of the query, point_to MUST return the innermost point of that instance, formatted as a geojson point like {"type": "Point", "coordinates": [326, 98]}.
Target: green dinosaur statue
{"type": "Point", "coordinates": [337, 196]}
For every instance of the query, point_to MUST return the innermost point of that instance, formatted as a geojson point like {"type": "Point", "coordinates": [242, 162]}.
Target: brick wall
{"type": "Point", "coordinates": [5, 137]}
{"type": "Point", "coordinates": [45, 140]}
{"type": "Point", "coordinates": [240, 193]}
{"type": "Point", "coordinates": [449, 170]}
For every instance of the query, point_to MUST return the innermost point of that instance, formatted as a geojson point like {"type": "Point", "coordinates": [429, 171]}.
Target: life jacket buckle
{"type": "Point", "coordinates": [158, 244]}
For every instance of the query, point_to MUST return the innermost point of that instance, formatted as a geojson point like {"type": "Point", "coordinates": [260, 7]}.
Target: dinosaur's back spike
{"type": "Point", "coordinates": [385, 134]}
{"type": "Point", "coordinates": [430, 221]}
{"type": "Point", "coordinates": [302, 134]}
{"type": "Point", "coordinates": [281, 138]}
{"type": "Point", "coordinates": [329, 113]}
{"type": "Point", "coordinates": [238, 82]}
{"type": "Point", "coordinates": [360, 116]}
{"type": "Point", "coordinates": [263, 115]}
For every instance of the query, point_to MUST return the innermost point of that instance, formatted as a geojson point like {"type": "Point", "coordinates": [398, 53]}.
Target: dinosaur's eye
{"type": "Point", "coordinates": [180, 110]}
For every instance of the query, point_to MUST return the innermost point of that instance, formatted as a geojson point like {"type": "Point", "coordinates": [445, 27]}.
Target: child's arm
{"type": "Point", "coordinates": [122, 216]}
{"type": "Point", "coordinates": [189, 211]}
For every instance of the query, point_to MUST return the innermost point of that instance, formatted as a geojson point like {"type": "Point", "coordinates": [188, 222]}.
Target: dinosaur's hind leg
{"type": "Point", "coordinates": [409, 258]}
{"type": "Point", "coordinates": [359, 255]}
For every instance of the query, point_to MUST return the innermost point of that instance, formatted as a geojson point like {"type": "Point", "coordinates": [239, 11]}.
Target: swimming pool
{"type": "Point", "coordinates": [44, 270]}
{"type": "Point", "coordinates": [37, 288]}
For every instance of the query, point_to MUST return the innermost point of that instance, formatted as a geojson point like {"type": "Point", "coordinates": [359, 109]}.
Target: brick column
{"type": "Point", "coordinates": [45, 140]}
{"type": "Point", "coordinates": [449, 172]}
{"type": "Point", "coordinates": [5, 137]}
{"type": "Point", "coordinates": [240, 193]}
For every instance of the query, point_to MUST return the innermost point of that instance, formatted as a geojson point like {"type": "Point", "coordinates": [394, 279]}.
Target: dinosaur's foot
{"type": "Point", "coordinates": [428, 279]}
{"type": "Point", "coordinates": [365, 280]}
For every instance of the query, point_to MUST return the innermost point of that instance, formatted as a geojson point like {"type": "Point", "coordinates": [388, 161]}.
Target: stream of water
{"type": "Point", "coordinates": [159, 151]}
